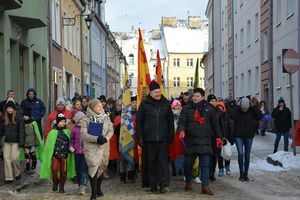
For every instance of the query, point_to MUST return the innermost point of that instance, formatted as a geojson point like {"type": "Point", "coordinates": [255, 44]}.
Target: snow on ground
{"type": "Point", "coordinates": [288, 160]}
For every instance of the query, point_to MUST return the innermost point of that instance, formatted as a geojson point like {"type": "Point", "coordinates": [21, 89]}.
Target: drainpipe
{"type": "Point", "coordinates": [213, 48]}
{"type": "Point", "coordinates": [82, 50]}
{"type": "Point", "coordinates": [270, 55]}
{"type": "Point", "coordinates": [233, 50]}
{"type": "Point", "coordinates": [51, 89]}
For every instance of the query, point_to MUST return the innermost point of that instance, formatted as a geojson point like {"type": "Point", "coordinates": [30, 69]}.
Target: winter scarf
{"type": "Point", "coordinates": [199, 111]}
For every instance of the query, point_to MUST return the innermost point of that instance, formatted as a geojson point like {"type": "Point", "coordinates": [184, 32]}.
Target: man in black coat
{"type": "Point", "coordinates": [283, 123]}
{"type": "Point", "coordinates": [198, 124]}
{"type": "Point", "coordinates": [154, 130]}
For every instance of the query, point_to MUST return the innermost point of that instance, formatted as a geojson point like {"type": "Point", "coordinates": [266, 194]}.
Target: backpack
{"type": "Point", "coordinates": [226, 150]}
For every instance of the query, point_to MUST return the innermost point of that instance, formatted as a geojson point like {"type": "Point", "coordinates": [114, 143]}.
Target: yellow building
{"type": "Point", "coordinates": [70, 13]}
{"type": "Point", "coordinates": [184, 41]}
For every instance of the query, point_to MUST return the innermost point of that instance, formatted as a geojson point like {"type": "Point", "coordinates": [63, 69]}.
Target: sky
{"type": "Point", "coordinates": [121, 15]}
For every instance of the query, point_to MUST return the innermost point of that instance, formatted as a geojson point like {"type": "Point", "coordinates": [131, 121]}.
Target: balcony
{"type": "Point", "coordinates": [32, 14]}
{"type": "Point", "coordinates": [10, 4]}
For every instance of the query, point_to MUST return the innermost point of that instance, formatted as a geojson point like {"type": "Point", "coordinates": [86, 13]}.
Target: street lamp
{"type": "Point", "coordinates": [88, 21]}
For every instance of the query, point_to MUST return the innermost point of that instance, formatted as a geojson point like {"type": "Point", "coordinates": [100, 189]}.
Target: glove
{"type": "Point", "coordinates": [101, 140]}
{"type": "Point", "coordinates": [181, 134]}
{"type": "Point", "coordinates": [219, 143]}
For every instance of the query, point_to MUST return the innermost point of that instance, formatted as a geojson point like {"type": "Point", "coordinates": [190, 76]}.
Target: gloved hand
{"type": "Point", "coordinates": [219, 143]}
{"type": "Point", "coordinates": [181, 134]}
{"type": "Point", "coordinates": [101, 140]}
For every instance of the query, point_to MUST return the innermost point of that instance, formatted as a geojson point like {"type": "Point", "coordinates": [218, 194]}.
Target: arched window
{"type": "Point", "coordinates": [131, 59]}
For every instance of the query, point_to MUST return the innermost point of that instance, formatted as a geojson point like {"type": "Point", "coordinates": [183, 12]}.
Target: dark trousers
{"type": "Point", "coordinates": [81, 169]}
{"type": "Point", "coordinates": [155, 165]}
{"type": "Point", "coordinates": [30, 157]}
{"type": "Point", "coordinates": [241, 145]}
{"type": "Point", "coordinates": [221, 161]}
{"type": "Point", "coordinates": [61, 165]}
{"type": "Point", "coordinates": [96, 186]}
{"type": "Point", "coordinates": [285, 139]}
{"type": "Point", "coordinates": [39, 123]}
{"type": "Point", "coordinates": [204, 165]}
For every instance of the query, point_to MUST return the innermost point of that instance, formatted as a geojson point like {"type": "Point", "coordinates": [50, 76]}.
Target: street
{"type": "Point", "coordinates": [263, 184]}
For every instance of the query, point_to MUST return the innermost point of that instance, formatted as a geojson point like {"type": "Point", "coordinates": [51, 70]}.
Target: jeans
{"type": "Point", "coordinates": [285, 138]}
{"type": "Point", "coordinates": [241, 144]}
{"type": "Point", "coordinates": [81, 169]}
{"type": "Point", "coordinates": [204, 165]}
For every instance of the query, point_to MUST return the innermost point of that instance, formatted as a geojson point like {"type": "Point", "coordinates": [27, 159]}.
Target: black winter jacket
{"type": "Point", "coordinates": [198, 137]}
{"type": "Point", "coordinates": [244, 122]}
{"type": "Point", "coordinates": [154, 121]}
{"type": "Point", "coordinates": [14, 133]}
{"type": "Point", "coordinates": [283, 119]}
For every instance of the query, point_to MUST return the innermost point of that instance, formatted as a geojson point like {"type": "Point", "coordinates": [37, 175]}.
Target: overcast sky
{"type": "Point", "coordinates": [121, 15]}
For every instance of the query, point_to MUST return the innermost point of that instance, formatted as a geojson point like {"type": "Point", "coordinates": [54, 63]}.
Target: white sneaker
{"type": "Point", "coordinates": [197, 180]}
{"type": "Point", "coordinates": [183, 178]}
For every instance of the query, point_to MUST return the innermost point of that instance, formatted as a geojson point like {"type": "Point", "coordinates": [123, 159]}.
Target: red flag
{"type": "Point", "coordinates": [159, 75]}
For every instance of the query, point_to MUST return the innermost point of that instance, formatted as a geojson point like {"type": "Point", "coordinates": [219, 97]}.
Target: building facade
{"type": "Point", "coordinates": [23, 48]}
{"type": "Point", "coordinates": [184, 41]}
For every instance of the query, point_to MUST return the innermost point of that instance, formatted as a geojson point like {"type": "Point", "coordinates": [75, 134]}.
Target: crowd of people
{"type": "Point", "coordinates": [189, 135]}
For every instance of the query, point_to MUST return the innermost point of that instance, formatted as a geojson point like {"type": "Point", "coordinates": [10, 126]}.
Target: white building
{"type": "Point", "coordinates": [285, 36]}
{"type": "Point", "coordinates": [246, 48]}
{"type": "Point", "coordinates": [128, 43]}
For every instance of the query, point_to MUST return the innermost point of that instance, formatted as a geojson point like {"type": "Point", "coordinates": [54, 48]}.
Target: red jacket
{"type": "Point", "coordinates": [52, 118]}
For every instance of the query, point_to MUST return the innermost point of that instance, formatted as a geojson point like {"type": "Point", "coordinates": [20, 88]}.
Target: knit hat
{"type": "Point", "coordinates": [153, 85]}
{"type": "Point", "coordinates": [175, 103]}
{"type": "Point", "coordinates": [245, 103]}
{"type": "Point", "coordinates": [78, 116]}
{"type": "Point", "coordinates": [60, 101]}
{"type": "Point", "coordinates": [93, 103]}
{"type": "Point", "coordinates": [211, 97]}
{"type": "Point", "coordinates": [281, 100]}
{"type": "Point", "coordinates": [27, 112]}
{"type": "Point", "coordinates": [11, 104]}
{"type": "Point", "coordinates": [60, 117]}
{"type": "Point", "coordinates": [133, 98]}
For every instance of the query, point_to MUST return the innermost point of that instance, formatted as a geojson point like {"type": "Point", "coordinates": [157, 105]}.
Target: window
{"type": "Point", "coordinates": [242, 83]}
{"type": "Point", "coordinates": [278, 11]}
{"type": "Point", "coordinates": [176, 62]}
{"type": "Point", "coordinates": [265, 37]}
{"type": "Point", "coordinates": [176, 82]}
{"type": "Point", "coordinates": [66, 34]}
{"type": "Point", "coordinates": [190, 81]}
{"type": "Point", "coordinates": [256, 27]}
{"type": "Point", "coordinates": [278, 71]}
{"type": "Point", "coordinates": [71, 39]}
{"type": "Point", "coordinates": [248, 32]}
{"type": "Point", "coordinates": [75, 40]}
{"type": "Point", "coordinates": [257, 80]}
{"type": "Point", "coordinates": [131, 59]}
{"type": "Point", "coordinates": [235, 45]}
{"type": "Point", "coordinates": [242, 40]}
{"type": "Point", "coordinates": [78, 43]}
{"type": "Point", "coordinates": [189, 62]}
{"type": "Point", "coordinates": [289, 7]}
{"type": "Point", "coordinates": [249, 82]}
{"type": "Point", "coordinates": [56, 36]}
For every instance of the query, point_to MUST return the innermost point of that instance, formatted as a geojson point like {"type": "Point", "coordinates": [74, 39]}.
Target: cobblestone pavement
{"type": "Point", "coordinates": [263, 185]}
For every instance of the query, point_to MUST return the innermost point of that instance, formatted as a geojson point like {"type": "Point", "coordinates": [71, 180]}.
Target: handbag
{"type": "Point", "coordinates": [226, 150]}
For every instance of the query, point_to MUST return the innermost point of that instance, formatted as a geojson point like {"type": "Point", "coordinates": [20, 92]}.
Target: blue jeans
{"type": "Point", "coordinates": [81, 169]}
{"type": "Point", "coordinates": [241, 144]}
{"type": "Point", "coordinates": [285, 139]}
{"type": "Point", "coordinates": [204, 165]}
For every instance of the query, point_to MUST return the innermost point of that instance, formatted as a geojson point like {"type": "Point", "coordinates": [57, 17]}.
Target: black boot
{"type": "Point", "coordinates": [33, 165]}
{"type": "Point", "coordinates": [131, 176]}
{"type": "Point", "coordinates": [123, 177]}
{"type": "Point", "coordinates": [61, 188]}
{"type": "Point", "coordinates": [27, 168]}
{"type": "Point", "coordinates": [246, 177]}
{"type": "Point", "coordinates": [99, 182]}
{"type": "Point", "coordinates": [93, 182]}
{"type": "Point", "coordinates": [54, 186]}
{"type": "Point", "coordinates": [241, 177]}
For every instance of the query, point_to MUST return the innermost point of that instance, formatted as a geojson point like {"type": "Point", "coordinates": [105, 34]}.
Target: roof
{"type": "Point", "coordinates": [186, 40]}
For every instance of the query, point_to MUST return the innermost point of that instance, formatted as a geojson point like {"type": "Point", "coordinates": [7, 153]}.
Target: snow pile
{"type": "Point", "coordinates": [287, 159]}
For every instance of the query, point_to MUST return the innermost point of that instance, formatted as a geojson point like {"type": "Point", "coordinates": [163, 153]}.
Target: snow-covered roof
{"type": "Point", "coordinates": [186, 40]}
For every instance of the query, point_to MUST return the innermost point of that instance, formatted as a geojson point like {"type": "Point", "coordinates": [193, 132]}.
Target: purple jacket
{"type": "Point", "coordinates": [76, 141]}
